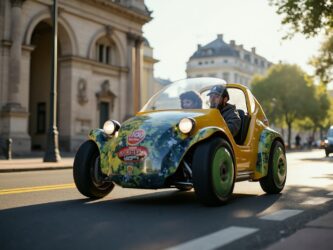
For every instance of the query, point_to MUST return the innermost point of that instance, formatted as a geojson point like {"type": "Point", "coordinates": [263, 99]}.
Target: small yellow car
{"type": "Point", "coordinates": [165, 145]}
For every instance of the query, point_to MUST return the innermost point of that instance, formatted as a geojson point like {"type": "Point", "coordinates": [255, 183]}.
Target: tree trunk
{"type": "Point", "coordinates": [289, 124]}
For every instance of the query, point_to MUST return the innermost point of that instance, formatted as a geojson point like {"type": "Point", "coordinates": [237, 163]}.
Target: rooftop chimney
{"type": "Point", "coordinates": [199, 46]}
{"type": "Point", "coordinates": [233, 43]}
{"type": "Point", "coordinates": [253, 49]}
{"type": "Point", "coordinates": [220, 36]}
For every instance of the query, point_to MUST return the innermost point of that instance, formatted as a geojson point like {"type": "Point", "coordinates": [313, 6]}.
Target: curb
{"type": "Point", "coordinates": [11, 170]}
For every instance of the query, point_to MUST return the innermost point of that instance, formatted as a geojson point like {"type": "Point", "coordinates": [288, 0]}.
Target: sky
{"type": "Point", "coordinates": [178, 26]}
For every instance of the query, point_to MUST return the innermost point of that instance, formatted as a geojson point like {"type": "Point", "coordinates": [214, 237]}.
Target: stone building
{"type": "Point", "coordinates": [231, 62]}
{"type": "Point", "coordinates": [100, 67]}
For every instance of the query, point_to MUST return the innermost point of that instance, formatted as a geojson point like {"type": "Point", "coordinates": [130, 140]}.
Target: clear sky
{"type": "Point", "coordinates": [179, 25]}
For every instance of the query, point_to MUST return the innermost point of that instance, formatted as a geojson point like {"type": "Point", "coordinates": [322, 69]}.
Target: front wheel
{"type": "Point", "coordinates": [213, 172]}
{"type": "Point", "coordinates": [274, 181]}
{"type": "Point", "coordinates": [87, 173]}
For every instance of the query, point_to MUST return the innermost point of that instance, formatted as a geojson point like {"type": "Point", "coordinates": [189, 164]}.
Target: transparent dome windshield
{"type": "Point", "coordinates": [184, 94]}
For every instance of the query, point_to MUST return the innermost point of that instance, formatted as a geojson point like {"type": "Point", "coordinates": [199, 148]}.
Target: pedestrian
{"type": "Point", "coordinates": [218, 98]}
{"type": "Point", "coordinates": [298, 141]}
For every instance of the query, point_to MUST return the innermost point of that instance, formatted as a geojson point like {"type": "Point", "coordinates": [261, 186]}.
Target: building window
{"type": "Point", "coordinates": [103, 113]}
{"type": "Point", "coordinates": [200, 63]}
{"type": "Point", "coordinates": [106, 51]}
{"type": "Point", "coordinates": [212, 75]}
{"type": "Point", "coordinates": [225, 61]}
{"type": "Point", "coordinates": [212, 62]}
{"type": "Point", "coordinates": [41, 118]}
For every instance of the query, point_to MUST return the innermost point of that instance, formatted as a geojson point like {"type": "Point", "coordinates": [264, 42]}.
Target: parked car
{"type": "Point", "coordinates": [329, 142]}
{"type": "Point", "coordinates": [166, 146]}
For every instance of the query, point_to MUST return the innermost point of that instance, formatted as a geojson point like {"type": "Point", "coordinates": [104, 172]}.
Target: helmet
{"type": "Point", "coordinates": [220, 90]}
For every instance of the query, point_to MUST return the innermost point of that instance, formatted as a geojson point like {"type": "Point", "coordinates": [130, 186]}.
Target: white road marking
{"type": "Point", "coordinates": [217, 239]}
{"type": "Point", "coordinates": [316, 201]}
{"type": "Point", "coordinates": [331, 193]}
{"type": "Point", "coordinates": [281, 214]}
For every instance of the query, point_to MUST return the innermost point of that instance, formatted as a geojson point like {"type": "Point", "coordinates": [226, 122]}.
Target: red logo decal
{"type": "Point", "coordinates": [133, 153]}
{"type": "Point", "coordinates": [136, 137]}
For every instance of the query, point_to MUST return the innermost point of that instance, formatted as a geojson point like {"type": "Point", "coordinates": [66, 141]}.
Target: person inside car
{"type": "Point", "coordinates": [190, 100]}
{"type": "Point", "coordinates": [218, 98]}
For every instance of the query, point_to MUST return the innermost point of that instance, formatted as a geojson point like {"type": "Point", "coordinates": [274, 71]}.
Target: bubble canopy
{"type": "Point", "coordinates": [171, 96]}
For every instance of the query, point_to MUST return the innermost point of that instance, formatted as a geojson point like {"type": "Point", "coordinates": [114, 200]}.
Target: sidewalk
{"type": "Point", "coordinates": [317, 234]}
{"type": "Point", "coordinates": [34, 164]}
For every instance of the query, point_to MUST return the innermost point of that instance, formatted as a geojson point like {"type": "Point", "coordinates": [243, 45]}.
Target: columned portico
{"type": "Point", "coordinates": [14, 115]}
{"type": "Point", "coordinates": [135, 61]}
{"type": "Point", "coordinates": [99, 43]}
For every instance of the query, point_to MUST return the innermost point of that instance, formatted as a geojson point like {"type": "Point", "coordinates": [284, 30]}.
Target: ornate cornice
{"type": "Point", "coordinates": [119, 9]}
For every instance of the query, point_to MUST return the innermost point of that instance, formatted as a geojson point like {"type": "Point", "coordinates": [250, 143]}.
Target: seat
{"type": "Point", "coordinates": [245, 122]}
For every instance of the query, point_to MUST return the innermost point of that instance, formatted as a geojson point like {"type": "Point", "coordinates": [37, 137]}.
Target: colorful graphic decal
{"type": "Point", "coordinates": [136, 137]}
{"type": "Point", "coordinates": [160, 151]}
{"type": "Point", "coordinates": [265, 142]}
{"type": "Point", "coordinates": [132, 153]}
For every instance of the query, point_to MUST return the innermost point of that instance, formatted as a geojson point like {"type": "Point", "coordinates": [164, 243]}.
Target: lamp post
{"type": "Point", "coordinates": [52, 152]}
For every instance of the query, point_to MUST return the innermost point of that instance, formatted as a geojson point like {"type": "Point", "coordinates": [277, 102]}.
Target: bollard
{"type": "Point", "coordinates": [9, 143]}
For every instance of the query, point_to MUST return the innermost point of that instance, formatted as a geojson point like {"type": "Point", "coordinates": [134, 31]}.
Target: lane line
{"type": "Point", "coordinates": [281, 214]}
{"type": "Point", "coordinates": [217, 239]}
{"type": "Point", "coordinates": [316, 201]}
{"type": "Point", "coordinates": [36, 189]}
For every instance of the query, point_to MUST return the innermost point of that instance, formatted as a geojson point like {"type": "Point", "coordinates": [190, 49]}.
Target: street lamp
{"type": "Point", "coordinates": [52, 153]}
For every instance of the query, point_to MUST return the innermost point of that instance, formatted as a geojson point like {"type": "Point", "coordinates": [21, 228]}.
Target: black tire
{"type": "Point", "coordinates": [213, 172]}
{"type": "Point", "coordinates": [274, 181]}
{"type": "Point", "coordinates": [87, 174]}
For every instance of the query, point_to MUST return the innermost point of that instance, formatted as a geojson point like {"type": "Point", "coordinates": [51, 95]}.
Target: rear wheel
{"type": "Point", "coordinates": [213, 172]}
{"type": "Point", "coordinates": [274, 181]}
{"type": "Point", "coordinates": [87, 173]}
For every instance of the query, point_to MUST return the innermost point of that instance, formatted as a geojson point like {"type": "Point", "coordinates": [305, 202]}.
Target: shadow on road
{"type": "Point", "coordinates": [151, 221]}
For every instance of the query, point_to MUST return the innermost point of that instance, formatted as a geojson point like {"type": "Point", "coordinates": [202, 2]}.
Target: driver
{"type": "Point", "coordinates": [190, 100]}
{"type": "Point", "coordinates": [218, 98]}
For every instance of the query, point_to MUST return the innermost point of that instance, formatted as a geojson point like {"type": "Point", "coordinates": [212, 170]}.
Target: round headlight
{"type": "Point", "coordinates": [109, 127]}
{"type": "Point", "coordinates": [186, 125]}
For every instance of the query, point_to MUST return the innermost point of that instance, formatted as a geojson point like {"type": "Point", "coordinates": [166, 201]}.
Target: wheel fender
{"type": "Point", "coordinates": [267, 137]}
{"type": "Point", "coordinates": [100, 138]}
{"type": "Point", "coordinates": [205, 133]}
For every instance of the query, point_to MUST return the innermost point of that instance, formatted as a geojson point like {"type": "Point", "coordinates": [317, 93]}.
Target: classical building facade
{"type": "Point", "coordinates": [231, 62]}
{"type": "Point", "coordinates": [100, 67]}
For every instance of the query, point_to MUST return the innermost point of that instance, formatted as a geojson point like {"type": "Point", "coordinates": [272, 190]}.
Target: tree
{"type": "Point", "coordinates": [317, 115]}
{"type": "Point", "coordinates": [308, 17]}
{"type": "Point", "coordinates": [323, 62]}
{"type": "Point", "coordinates": [284, 94]}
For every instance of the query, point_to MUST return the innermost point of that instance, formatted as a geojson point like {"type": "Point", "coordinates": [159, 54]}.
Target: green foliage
{"type": "Point", "coordinates": [308, 17]}
{"type": "Point", "coordinates": [323, 62]}
{"type": "Point", "coordinates": [285, 93]}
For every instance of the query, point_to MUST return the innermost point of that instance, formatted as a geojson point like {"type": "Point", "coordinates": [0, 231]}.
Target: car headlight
{"type": "Point", "coordinates": [186, 125]}
{"type": "Point", "coordinates": [110, 127]}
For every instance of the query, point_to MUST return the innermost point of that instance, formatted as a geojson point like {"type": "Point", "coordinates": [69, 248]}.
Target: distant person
{"type": "Point", "coordinates": [218, 98]}
{"type": "Point", "coordinates": [298, 141]}
{"type": "Point", "coordinates": [190, 100]}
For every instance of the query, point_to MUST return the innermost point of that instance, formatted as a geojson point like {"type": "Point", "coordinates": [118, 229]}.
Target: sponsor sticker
{"type": "Point", "coordinates": [132, 153]}
{"type": "Point", "coordinates": [136, 137]}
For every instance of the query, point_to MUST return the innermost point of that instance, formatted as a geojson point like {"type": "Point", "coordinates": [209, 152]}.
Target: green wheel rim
{"type": "Point", "coordinates": [222, 172]}
{"type": "Point", "coordinates": [279, 167]}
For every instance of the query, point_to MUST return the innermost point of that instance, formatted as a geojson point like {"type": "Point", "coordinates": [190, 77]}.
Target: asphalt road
{"type": "Point", "coordinates": [43, 210]}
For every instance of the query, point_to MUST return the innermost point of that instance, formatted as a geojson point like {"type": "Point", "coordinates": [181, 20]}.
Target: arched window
{"type": "Point", "coordinates": [106, 51]}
